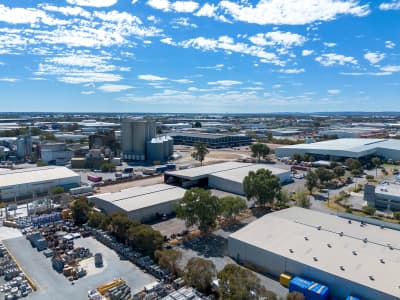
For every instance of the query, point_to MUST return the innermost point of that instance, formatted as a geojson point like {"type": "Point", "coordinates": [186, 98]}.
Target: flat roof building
{"type": "Point", "coordinates": [345, 148]}
{"type": "Point", "coordinates": [213, 140]}
{"type": "Point", "coordinates": [349, 257]}
{"type": "Point", "coordinates": [27, 182]}
{"type": "Point", "coordinates": [385, 196]}
{"type": "Point", "coordinates": [140, 203]}
{"type": "Point", "coordinates": [223, 176]}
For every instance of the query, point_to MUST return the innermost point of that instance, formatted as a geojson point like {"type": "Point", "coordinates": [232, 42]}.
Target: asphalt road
{"type": "Point", "coordinates": [54, 286]}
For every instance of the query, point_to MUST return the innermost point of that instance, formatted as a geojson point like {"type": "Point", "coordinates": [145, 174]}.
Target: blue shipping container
{"type": "Point", "coordinates": [171, 166]}
{"type": "Point", "coordinates": [310, 289]}
{"type": "Point", "coordinates": [128, 170]}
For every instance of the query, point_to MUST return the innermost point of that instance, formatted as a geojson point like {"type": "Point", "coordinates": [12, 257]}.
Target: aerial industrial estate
{"type": "Point", "coordinates": [133, 207]}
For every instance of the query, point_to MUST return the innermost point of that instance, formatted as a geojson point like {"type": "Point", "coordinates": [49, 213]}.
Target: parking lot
{"type": "Point", "coordinates": [52, 285]}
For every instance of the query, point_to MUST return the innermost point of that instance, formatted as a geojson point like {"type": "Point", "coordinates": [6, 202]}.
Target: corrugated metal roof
{"type": "Point", "coordinates": [34, 175]}
{"type": "Point", "coordinates": [297, 229]}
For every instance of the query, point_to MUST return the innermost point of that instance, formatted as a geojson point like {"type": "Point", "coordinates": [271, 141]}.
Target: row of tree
{"type": "Point", "coordinates": [130, 232]}
{"type": "Point", "coordinates": [199, 207]}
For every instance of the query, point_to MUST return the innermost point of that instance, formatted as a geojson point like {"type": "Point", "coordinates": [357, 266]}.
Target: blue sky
{"type": "Point", "coordinates": [199, 56]}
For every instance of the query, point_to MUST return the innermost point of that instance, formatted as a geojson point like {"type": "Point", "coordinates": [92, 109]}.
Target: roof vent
{"type": "Point", "coordinates": [329, 246]}
{"type": "Point", "coordinates": [306, 238]}
{"type": "Point", "coordinates": [349, 221]}
{"type": "Point", "coordinates": [342, 268]}
{"type": "Point", "coordinates": [382, 261]}
{"type": "Point", "coordinates": [355, 253]}
{"type": "Point", "coordinates": [382, 227]}
{"type": "Point", "coordinates": [365, 240]}
{"type": "Point", "coordinates": [341, 233]}
{"type": "Point", "coordinates": [291, 250]}
{"type": "Point", "coordinates": [315, 258]}
{"type": "Point", "coordinates": [371, 277]}
{"type": "Point", "coordinates": [319, 227]}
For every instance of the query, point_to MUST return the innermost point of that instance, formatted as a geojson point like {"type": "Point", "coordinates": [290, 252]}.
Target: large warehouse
{"type": "Point", "coordinates": [140, 203]}
{"type": "Point", "coordinates": [345, 148]}
{"type": "Point", "coordinates": [349, 257]}
{"type": "Point", "coordinates": [224, 176]}
{"type": "Point", "coordinates": [35, 181]}
{"type": "Point", "coordinates": [213, 140]}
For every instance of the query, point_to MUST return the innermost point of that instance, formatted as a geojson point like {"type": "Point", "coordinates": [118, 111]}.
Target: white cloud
{"type": "Point", "coordinates": [68, 10]}
{"type": "Point", "coordinates": [274, 38]}
{"type": "Point", "coordinates": [334, 92]}
{"type": "Point", "coordinates": [27, 16]}
{"type": "Point", "coordinates": [185, 81]}
{"type": "Point", "coordinates": [178, 6]}
{"type": "Point", "coordinates": [93, 3]}
{"type": "Point", "coordinates": [87, 92]}
{"type": "Point", "coordinates": [329, 45]}
{"type": "Point", "coordinates": [391, 69]}
{"type": "Point", "coordinates": [134, 2]}
{"type": "Point", "coordinates": [374, 57]}
{"type": "Point", "coordinates": [8, 79]}
{"type": "Point", "coordinates": [89, 77]}
{"type": "Point", "coordinates": [366, 73]}
{"type": "Point", "coordinates": [390, 44]}
{"type": "Point", "coordinates": [225, 82]}
{"type": "Point", "coordinates": [292, 71]}
{"type": "Point", "coordinates": [149, 77]}
{"type": "Point", "coordinates": [331, 59]}
{"type": "Point", "coordinates": [208, 10]}
{"type": "Point", "coordinates": [292, 12]}
{"type": "Point", "coordinates": [185, 6]}
{"type": "Point", "coordinates": [112, 88]}
{"type": "Point", "coordinates": [168, 41]}
{"type": "Point", "coordinates": [306, 52]}
{"type": "Point", "coordinates": [184, 22]}
{"type": "Point", "coordinates": [394, 5]}
{"type": "Point", "coordinates": [217, 67]}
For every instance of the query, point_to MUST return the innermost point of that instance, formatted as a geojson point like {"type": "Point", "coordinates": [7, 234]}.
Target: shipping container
{"type": "Point", "coordinates": [149, 171]}
{"type": "Point", "coordinates": [310, 289]}
{"type": "Point", "coordinates": [81, 190]}
{"type": "Point", "coordinates": [171, 167]}
{"type": "Point", "coordinates": [161, 169]}
{"type": "Point", "coordinates": [284, 279]}
{"type": "Point", "coordinates": [94, 178]}
{"type": "Point", "coordinates": [128, 170]}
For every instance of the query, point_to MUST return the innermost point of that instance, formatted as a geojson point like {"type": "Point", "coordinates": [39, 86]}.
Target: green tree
{"type": "Point", "coordinates": [324, 175]}
{"type": "Point", "coordinates": [98, 219]}
{"type": "Point", "coordinates": [259, 150]}
{"type": "Point", "coordinates": [376, 162]}
{"type": "Point", "coordinates": [169, 259]}
{"type": "Point", "coordinates": [369, 210]}
{"type": "Point", "coordinates": [120, 224]}
{"type": "Point", "coordinates": [47, 136]}
{"type": "Point", "coordinates": [196, 124]}
{"type": "Point", "coordinates": [311, 181]}
{"type": "Point", "coordinates": [283, 198]}
{"type": "Point", "coordinates": [232, 206]}
{"type": "Point", "coordinates": [262, 186]}
{"type": "Point", "coordinates": [80, 211]}
{"type": "Point", "coordinates": [298, 157]}
{"type": "Point", "coordinates": [338, 171]}
{"type": "Point", "coordinates": [200, 152]}
{"type": "Point", "coordinates": [145, 239]}
{"type": "Point", "coordinates": [199, 273]}
{"type": "Point", "coordinates": [41, 163]}
{"type": "Point", "coordinates": [58, 190]}
{"type": "Point", "coordinates": [236, 282]}
{"type": "Point", "coordinates": [302, 199]}
{"type": "Point", "coordinates": [396, 215]}
{"type": "Point", "coordinates": [295, 296]}
{"type": "Point", "coordinates": [199, 207]}
{"type": "Point", "coordinates": [352, 164]}
{"type": "Point", "coordinates": [107, 167]}
{"type": "Point", "coordinates": [356, 172]}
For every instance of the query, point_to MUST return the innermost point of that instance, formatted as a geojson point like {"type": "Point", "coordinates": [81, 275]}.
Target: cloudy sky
{"type": "Point", "coordinates": [197, 56]}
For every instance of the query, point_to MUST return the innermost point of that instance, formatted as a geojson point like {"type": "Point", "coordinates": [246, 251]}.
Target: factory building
{"type": "Point", "coordinates": [135, 135]}
{"type": "Point", "coordinates": [341, 149]}
{"type": "Point", "coordinates": [55, 154]}
{"type": "Point", "coordinates": [227, 176]}
{"type": "Point", "coordinates": [385, 196]}
{"type": "Point", "coordinates": [213, 141]}
{"type": "Point", "coordinates": [160, 149]}
{"type": "Point", "coordinates": [140, 203]}
{"type": "Point", "coordinates": [349, 257]}
{"type": "Point", "coordinates": [35, 181]}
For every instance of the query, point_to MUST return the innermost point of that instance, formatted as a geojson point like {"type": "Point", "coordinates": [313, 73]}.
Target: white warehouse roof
{"type": "Point", "coordinates": [350, 147]}
{"type": "Point", "coordinates": [296, 235]}
{"type": "Point", "coordinates": [141, 197]}
{"type": "Point", "coordinates": [34, 175]}
{"type": "Point", "coordinates": [234, 170]}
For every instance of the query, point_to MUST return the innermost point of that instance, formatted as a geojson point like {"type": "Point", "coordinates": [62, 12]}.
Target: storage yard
{"type": "Point", "coordinates": [348, 257]}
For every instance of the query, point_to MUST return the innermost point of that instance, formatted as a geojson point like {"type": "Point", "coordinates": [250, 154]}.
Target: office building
{"type": "Point", "coordinates": [213, 140]}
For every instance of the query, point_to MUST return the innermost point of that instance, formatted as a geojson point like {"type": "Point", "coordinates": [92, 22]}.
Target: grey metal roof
{"type": "Point", "coordinates": [291, 226]}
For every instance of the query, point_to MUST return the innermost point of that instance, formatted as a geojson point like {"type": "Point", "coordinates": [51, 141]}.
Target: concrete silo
{"type": "Point", "coordinates": [135, 135]}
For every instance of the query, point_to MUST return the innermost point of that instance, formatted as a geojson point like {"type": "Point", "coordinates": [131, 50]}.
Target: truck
{"type": "Point", "coordinates": [94, 178]}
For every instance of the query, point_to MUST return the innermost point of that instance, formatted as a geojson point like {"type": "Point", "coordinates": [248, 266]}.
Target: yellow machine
{"type": "Point", "coordinates": [105, 287]}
